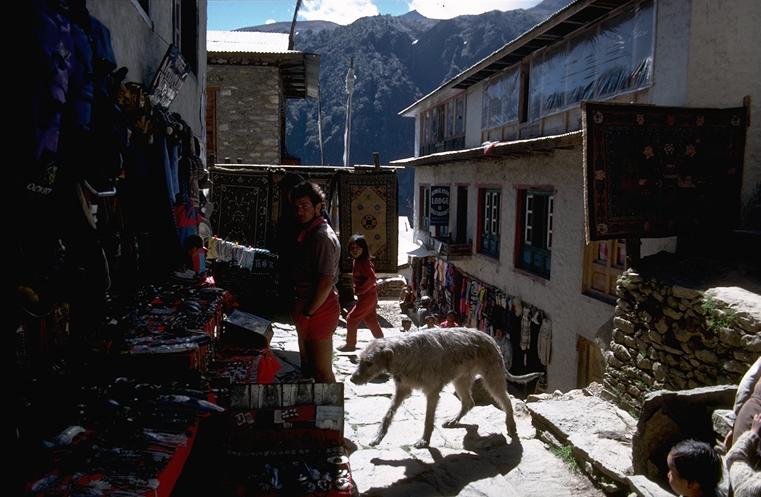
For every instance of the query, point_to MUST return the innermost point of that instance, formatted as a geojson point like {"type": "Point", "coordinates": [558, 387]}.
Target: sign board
{"type": "Point", "coordinates": [169, 78]}
{"type": "Point", "coordinates": [661, 171]}
{"type": "Point", "coordinates": [439, 206]}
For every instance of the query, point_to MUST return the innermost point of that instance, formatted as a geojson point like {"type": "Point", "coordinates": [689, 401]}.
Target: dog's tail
{"type": "Point", "coordinates": [523, 378]}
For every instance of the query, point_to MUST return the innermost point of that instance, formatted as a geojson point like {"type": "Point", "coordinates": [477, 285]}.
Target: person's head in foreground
{"type": "Point", "coordinates": [694, 469]}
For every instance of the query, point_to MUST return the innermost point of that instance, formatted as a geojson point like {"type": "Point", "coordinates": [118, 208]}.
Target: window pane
{"type": "Point", "coordinates": [449, 119]}
{"type": "Point", "coordinates": [500, 102]}
{"type": "Point", "coordinates": [551, 201]}
{"type": "Point", "coordinates": [641, 70]}
{"type": "Point", "coordinates": [459, 125]}
{"type": "Point", "coordinates": [621, 253]}
{"type": "Point", "coordinates": [435, 125]}
{"type": "Point", "coordinates": [539, 230]}
{"type": "Point", "coordinates": [615, 57]}
{"type": "Point", "coordinates": [495, 214]}
{"type": "Point", "coordinates": [490, 212]}
{"type": "Point", "coordinates": [426, 124]}
{"type": "Point", "coordinates": [602, 252]}
{"type": "Point", "coordinates": [580, 69]}
{"type": "Point", "coordinates": [487, 211]}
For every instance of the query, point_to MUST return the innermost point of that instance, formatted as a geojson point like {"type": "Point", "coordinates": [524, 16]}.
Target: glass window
{"type": "Point", "coordinates": [500, 101]}
{"type": "Point", "coordinates": [459, 116]}
{"type": "Point", "coordinates": [611, 58]}
{"type": "Point", "coordinates": [490, 213]}
{"type": "Point", "coordinates": [443, 126]}
{"type": "Point", "coordinates": [424, 221]}
{"type": "Point", "coordinates": [604, 261]}
{"type": "Point", "coordinates": [535, 244]}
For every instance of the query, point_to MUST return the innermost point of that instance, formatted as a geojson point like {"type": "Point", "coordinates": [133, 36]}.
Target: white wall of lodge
{"type": "Point", "coordinates": [724, 65]}
{"type": "Point", "coordinates": [703, 57]}
{"type": "Point", "coordinates": [560, 296]}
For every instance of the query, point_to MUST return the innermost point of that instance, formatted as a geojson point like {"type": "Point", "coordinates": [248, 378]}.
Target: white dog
{"type": "Point", "coordinates": [430, 360]}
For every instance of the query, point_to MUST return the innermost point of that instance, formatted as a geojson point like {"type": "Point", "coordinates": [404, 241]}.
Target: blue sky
{"type": "Point", "coordinates": [232, 14]}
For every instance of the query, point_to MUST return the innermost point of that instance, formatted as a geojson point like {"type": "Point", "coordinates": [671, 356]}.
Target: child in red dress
{"type": "Point", "coordinates": [363, 278]}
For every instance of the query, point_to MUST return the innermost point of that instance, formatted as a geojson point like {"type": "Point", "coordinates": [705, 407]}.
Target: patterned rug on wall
{"type": "Point", "coordinates": [368, 205]}
{"type": "Point", "coordinates": [241, 205]}
{"type": "Point", "coordinates": [659, 171]}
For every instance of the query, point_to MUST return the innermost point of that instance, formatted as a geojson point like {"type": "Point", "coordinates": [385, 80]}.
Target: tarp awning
{"type": "Point", "coordinates": [421, 251]}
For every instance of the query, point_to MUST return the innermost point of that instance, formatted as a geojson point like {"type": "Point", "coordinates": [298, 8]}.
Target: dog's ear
{"type": "Point", "coordinates": [387, 355]}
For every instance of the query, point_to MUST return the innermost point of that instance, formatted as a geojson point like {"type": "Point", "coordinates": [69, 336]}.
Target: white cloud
{"type": "Point", "coordinates": [270, 21]}
{"type": "Point", "coordinates": [446, 9]}
{"type": "Point", "coordinates": [338, 11]}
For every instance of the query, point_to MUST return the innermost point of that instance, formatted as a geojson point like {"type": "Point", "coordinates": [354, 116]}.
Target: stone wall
{"type": "Point", "coordinates": [391, 287]}
{"type": "Point", "coordinates": [248, 113]}
{"type": "Point", "coordinates": [673, 338]}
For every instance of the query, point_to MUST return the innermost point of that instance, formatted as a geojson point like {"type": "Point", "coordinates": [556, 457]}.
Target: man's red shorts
{"type": "Point", "coordinates": [323, 322]}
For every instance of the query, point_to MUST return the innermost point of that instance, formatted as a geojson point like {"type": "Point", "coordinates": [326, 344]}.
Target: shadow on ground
{"type": "Point", "coordinates": [384, 322]}
{"type": "Point", "coordinates": [448, 475]}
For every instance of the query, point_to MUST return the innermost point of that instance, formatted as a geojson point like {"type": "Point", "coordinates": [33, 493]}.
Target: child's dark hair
{"type": "Point", "coordinates": [360, 241]}
{"type": "Point", "coordinates": [308, 189]}
{"type": "Point", "coordinates": [697, 461]}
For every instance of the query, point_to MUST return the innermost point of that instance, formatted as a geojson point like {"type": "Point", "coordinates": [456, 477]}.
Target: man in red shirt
{"type": "Point", "coordinates": [316, 309]}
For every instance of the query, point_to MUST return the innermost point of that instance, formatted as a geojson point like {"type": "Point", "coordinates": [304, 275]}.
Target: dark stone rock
{"type": "Point", "coordinates": [668, 417]}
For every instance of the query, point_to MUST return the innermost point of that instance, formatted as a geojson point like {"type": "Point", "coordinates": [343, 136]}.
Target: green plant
{"type": "Point", "coordinates": [715, 317]}
{"type": "Point", "coordinates": [565, 453]}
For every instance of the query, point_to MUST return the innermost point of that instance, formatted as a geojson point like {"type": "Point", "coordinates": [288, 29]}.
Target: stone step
{"type": "Point", "coordinates": [598, 432]}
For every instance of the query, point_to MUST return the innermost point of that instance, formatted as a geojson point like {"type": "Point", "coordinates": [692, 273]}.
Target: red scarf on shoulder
{"type": "Point", "coordinates": [316, 223]}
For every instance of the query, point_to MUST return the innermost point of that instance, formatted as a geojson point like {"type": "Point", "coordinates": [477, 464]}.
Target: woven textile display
{"type": "Point", "coordinates": [659, 171]}
{"type": "Point", "coordinates": [242, 198]}
{"type": "Point", "coordinates": [368, 206]}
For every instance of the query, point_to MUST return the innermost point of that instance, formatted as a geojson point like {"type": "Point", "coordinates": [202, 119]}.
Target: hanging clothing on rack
{"type": "Point", "coordinates": [526, 328]}
{"type": "Point", "coordinates": [545, 342]}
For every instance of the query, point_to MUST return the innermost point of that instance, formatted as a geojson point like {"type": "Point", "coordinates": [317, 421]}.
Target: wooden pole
{"type": "Point", "coordinates": [293, 24]}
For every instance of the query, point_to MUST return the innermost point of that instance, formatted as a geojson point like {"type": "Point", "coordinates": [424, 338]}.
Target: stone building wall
{"type": "Point", "coordinates": [248, 112]}
{"type": "Point", "coordinates": [670, 337]}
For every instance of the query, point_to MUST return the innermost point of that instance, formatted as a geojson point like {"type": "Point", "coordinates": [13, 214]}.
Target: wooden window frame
{"type": "Point", "coordinates": [489, 217]}
{"type": "Point", "coordinates": [610, 268]}
{"type": "Point", "coordinates": [461, 219]}
{"type": "Point", "coordinates": [527, 213]}
{"type": "Point", "coordinates": [424, 198]}
{"type": "Point", "coordinates": [439, 130]}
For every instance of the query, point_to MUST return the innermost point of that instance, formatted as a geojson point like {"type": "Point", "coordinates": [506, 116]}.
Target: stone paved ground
{"type": "Point", "coordinates": [473, 459]}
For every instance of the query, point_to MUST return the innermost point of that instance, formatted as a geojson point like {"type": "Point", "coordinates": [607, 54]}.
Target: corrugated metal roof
{"type": "Point", "coordinates": [247, 42]}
